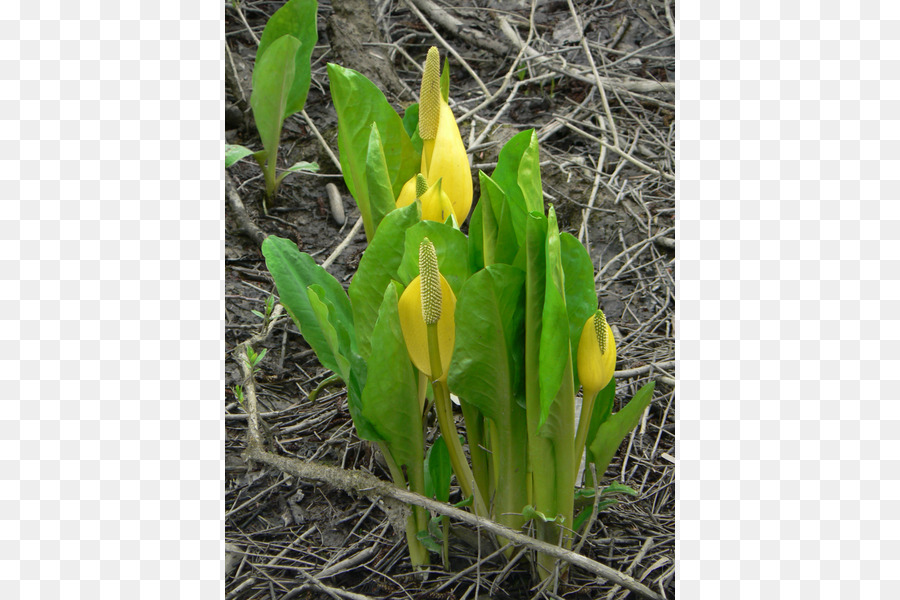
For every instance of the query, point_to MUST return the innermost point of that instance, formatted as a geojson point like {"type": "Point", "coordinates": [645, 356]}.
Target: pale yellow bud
{"type": "Point", "coordinates": [596, 354]}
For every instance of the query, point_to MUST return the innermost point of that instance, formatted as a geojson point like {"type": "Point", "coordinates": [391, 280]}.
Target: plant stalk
{"type": "Point", "coordinates": [444, 411]}
{"type": "Point", "coordinates": [418, 554]}
{"type": "Point", "coordinates": [584, 423]}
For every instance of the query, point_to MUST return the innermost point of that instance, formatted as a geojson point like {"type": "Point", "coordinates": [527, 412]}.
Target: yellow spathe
{"type": "Point", "coordinates": [415, 331]}
{"type": "Point", "coordinates": [445, 158]}
{"type": "Point", "coordinates": [435, 202]}
{"type": "Point", "coordinates": [596, 367]}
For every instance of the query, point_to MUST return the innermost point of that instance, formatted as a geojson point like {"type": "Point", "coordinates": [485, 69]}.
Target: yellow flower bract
{"type": "Point", "coordinates": [595, 367]}
{"type": "Point", "coordinates": [415, 332]}
{"type": "Point", "coordinates": [445, 158]}
{"type": "Point", "coordinates": [436, 204]}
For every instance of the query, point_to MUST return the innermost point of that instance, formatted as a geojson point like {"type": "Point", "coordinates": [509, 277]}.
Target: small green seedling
{"type": "Point", "coordinates": [281, 78]}
{"type": "Point", "coordinates": [254, 357]}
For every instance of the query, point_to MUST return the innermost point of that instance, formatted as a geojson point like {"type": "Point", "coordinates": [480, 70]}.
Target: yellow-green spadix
{"type": "Point", "coordinates": [435, 202]}
{"type": "Point", "coordinates": [596, 354]}
{"type": "Point", "coordinates": [443, 153]}
{"type": "Point", "coordinates": [428, 300]}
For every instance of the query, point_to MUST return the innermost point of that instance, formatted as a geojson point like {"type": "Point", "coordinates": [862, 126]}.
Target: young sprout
{"type": "Point", "coordinates": [443, 152]}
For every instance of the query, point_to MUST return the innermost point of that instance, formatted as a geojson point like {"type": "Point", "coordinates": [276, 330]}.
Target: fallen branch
{"type": "Point", "coordinates": [366, 484]}
{"type": "Point", "coordinates": [245, 223]}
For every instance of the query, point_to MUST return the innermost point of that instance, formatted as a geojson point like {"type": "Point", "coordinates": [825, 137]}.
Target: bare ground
{"type": "Point", "coordinates": [607, 167]}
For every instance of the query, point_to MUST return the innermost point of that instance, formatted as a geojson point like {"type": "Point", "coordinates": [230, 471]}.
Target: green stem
{"type": "Point", "coordinates": [444, 410]}
{"type": "Point", "coordinates": [269, 173]}
{"type": "Point", "coordinates": [564, 447]}
{"type": "Point", "coordinates": [584, 423]}
{"type": "Point", "coordinates": [418, 554]}
{"type": "Point", "coordinates": [478, 442]}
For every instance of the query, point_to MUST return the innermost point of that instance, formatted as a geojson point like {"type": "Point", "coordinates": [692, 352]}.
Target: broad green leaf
{"type": "Point", "coordinates": [381, 197]}
{"type": "Point", "coordinates": [359, 103]}
{"type": "Point", "coordinates": [296, 18]}
{"type": "Point", "coordinates": [581, 299]}
{"type": "Point", "coordinates": [438, 471]}
{"type": "Point", "coordinates": [377, 267]}
{"type": "Point", "coordinates": [390, 399]}
{"type": "Point", "coordinates": [411, 126]}
{"type": "Point", "coordinates": [452, 253]}
{"type": "Point", "coordinates": [486, 373]}
{"type": "Point", "coordinates": [273, 76]}
{"type": "Point", "coordinates": [555, 349]}
{"type": "Point", "coordinates": [611, 433]}
{"type": "Point", "coordinates": [293, 272]}
{"type": "Point", "coordinates": [490, 329]}
{"type": "Point", "coordinates": [323, 311]}
{"type": "Point", "coordinates": [234, 153]}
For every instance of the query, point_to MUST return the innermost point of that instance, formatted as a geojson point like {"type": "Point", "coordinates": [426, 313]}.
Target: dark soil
{"type": "Point", "coordinates": [283, 532]}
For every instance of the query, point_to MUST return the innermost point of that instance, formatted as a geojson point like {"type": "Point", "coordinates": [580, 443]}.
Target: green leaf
{"type": "Point", "coordinates": [486, 373]}
{"type": "Point", "coordinates": [411, 126]}
{"type": "Point", "coordinates": [293, 272]}
{"type": "Point", "coordinates": [476, 239]}
{"type": "Point", "coordinates": [390, 398]}
{"type": "Point", "coordinates": [519, 176]}
{"type": "Point", "coordinates": [438, 471]}
{"type": "Point", "coordinates": [359, 103]}
{"type": "Point", "coordinates": [445, 80]}
{"type": "Point", "coordinates": [234, 153]}
{"type": "Point", "coordinates": [618, 488]}
{"type": "Point", "coordinates": [581, 299]}
{"type": "Point", "coordinates": [582, 518]}
{"type": "Point", "coordinates": [452, 253]}
{"type": "Point", "coordinates": [602, 410]}
{"type": "Point", "coordinates": [611, 433]}
{"type": "Point", "coordinates": [296, 18]}
{"type": "Point", "coordinates": [381, 197]}
{"type": "Point", "coordinates": [490, 329]}
{"type": "Point", "coordinates": [555, 348]}
{"type": "Point", "coordinates": [377, 267]}
{"type": "Point", "coordinates": [529, 175]}
{"type": "Point", "coordinates": [429, 541]}
{"type": "Point", "coordinates": [307, 167]}
{"type": "Point", "coordinates": [338, 344]}
{"type": "Point", "coordinates": [499, 227]}
{"type": "Point", "coordinates": [273, 76]}
{"type": "Point", "coordinates": [298, 167]}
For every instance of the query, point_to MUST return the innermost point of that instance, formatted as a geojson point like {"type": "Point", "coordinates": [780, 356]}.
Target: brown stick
{"type": "Point", "coordinates": [246, 224]}
{"type": "Point", "coordinates": [360, 482]}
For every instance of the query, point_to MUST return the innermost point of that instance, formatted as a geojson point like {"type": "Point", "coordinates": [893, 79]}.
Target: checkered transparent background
{"type": "Point", "coordinates": [788, 346]}
{"type": "Point", "coordinates": [111, 307]}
